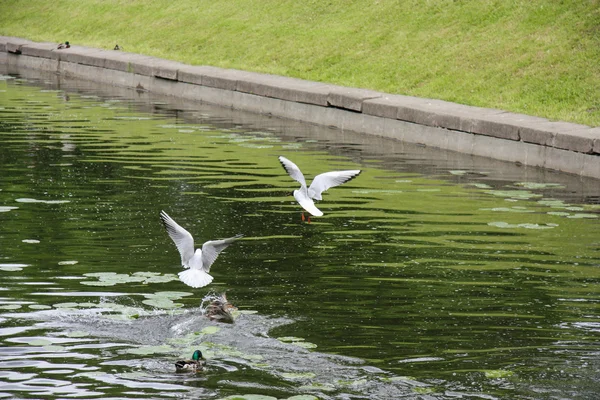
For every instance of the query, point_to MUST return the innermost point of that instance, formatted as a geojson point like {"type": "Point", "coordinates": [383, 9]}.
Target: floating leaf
{"type": "Point", "coordinates": [27, 200]}
{"type": "Point", "coordinates": [536, 185]}
{"type": "Point", "coordinates": [67, 262]}
{"type": "Point", "coordinates": [78, 334]}
{"type": "Point", "coordinates": [583, 215]}
{"type": "Point", "coordinates": [514, 194]}
{"type": "Point", "coordinates": [497, 373]}
{"type": "Point", "coordinates": [209, 330]}
{"type": "Point", "coordinates": [10, 307]}
{"type": "Point", "coordinates": [148, 350]}
{"type": "Point", "coordinates": [558, 213]}
{"type": "Point", "coordinates": [39, 307]}
{"type": "Point", "coordinates": [12, 267]}
{"type": "Point", "coordinates": [500, 224]}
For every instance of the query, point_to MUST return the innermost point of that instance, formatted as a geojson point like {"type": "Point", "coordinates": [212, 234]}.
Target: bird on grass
{"type": "Point", "coordinates": [117, 47]}
{"type": "Point", "coordinates": [196, 364]}
{"type": "Point", "coordinates": [64, 45]}
{"type": "Point", "coordinates": [305, 195]}
{"type": "Point", "coordinates": [196, 261]}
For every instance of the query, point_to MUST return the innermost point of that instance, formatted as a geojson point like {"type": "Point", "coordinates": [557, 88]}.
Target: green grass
{"type": "Point", "coordinates": [538, 57]}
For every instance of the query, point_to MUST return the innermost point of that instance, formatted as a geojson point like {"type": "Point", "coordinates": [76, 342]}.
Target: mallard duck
{"type": "Point", "coordinates": [64, 45]}
{"type": "Point", "coordinates": [117, 47]}
{"type": "Point", "coordinates": [196, 364]}
{"type": "Point", "coordinates": [220, 310]}
{"type": "Point", "coordinates": [197, 261]}
{"type": "Point", "coordinates": [304, 196]}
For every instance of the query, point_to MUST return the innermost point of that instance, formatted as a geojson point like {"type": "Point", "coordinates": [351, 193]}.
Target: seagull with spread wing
{"type": "Point", "coordinates": [305, 195]}
{"type": "Point", "coordinates": [196, 261]}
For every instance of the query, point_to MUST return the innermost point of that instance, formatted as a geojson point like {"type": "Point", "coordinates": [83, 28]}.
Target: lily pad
{"type": "Point", "coordinates": [78, 334]}
{"type": "Point", "coordinates": [10, 306]}
{"type": "Point", "coordinates": [28, 200]}
{"type": "Point", "coordinates": [582, 215]}
{"type": "Point", "coordinates": [209, 330]}
{"type": "Point", "coordinates": [113, 278]}
{"type": "Point", "coordinates": [514, 194]}
{"type": "Point", "coordinates": [39, 307]}
{"type": "Point", "coordinates": [12, 267]}
{"type": "Point", "coordinates": [558, 213]}
{"type": "Point", "coordinates": [500, 224]}
{"type": "Point", "coordinates": [148, 350]}
{"type": "Point", "coordinates": [537, 185]}
{"type": "Point", "coordinates": [68, 262]}
{"type": "Point", "coordinates": [497, 373]}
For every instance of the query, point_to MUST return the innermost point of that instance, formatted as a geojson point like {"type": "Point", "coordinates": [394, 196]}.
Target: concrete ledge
{"type": "Point", "coordinates": [13, 45]}
{"type": "Point", "coordinates": [42, 50]}
{"type": "Point", "coordinates": [284, 88]}
{"type": "Point", "coordinates": [82, 55]}
{"type": "Point", "coordinates": [350, 98]}
{"type": "Point", "coordinates": [480, 131]}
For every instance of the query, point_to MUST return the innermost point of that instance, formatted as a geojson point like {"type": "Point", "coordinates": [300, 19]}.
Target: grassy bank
{"type": "Point", "coordinates": [538, 57]}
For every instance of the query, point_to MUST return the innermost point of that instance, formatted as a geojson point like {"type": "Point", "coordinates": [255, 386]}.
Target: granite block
{"type": "Point", "coordinates": [166, 69]}
{"type": "Point", "coordinates": [385, 106]}
{"type": "Point", "coordinates": [284, 88]}
{"type": "Point", "coordinates": [195, 73]}
{"type": "Point", "coordinates": [82, 55]}
{"type": "Point", "coordinates": [13, 45]}
{"type": "Point", "coordinates": [121, 61]}
{"type": "Point", "coordinates": [573, 137]}
{"type": "Point", "coordinates": [42, 50]}
{"type": "Point", "coordinates": [350, 98]}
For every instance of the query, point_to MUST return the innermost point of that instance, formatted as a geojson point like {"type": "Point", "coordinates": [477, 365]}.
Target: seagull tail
{"type": "Point", "coordinates": [195, 278]}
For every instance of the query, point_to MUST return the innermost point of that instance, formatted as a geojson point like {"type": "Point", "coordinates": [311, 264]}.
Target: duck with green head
{"type": "Point", "coordinates": [64, 45]}
{"type": "Point", "coordinates": [196, 364]}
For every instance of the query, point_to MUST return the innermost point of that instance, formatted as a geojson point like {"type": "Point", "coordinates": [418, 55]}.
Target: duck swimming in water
{"type": "Point", "coordinates": [196, 364]}
{"type": "Point", "coordinates": [219, 309]}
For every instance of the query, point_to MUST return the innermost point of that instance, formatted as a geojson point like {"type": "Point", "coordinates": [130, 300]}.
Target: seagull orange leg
{"type": "Point", "coordinates": [303, 219]}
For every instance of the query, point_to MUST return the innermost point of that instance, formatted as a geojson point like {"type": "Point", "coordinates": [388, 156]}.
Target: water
{"type": "Point", "coordinates": [433, 275]}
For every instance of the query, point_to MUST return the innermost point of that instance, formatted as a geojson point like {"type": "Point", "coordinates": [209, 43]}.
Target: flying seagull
{"type": "Point", "coordinates": [304, 196]}
{"type": "Point", "coordinates": [197, 262]}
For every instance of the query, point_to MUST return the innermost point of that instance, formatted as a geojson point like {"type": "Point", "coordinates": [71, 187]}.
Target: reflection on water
{"type": "Point", "coordinates": [432, 275]}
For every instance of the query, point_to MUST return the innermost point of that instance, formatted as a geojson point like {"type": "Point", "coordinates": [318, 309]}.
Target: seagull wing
{"type": "Point", "coordinates": [328, 180]}
{"type": "Point", "coordinates": [182, 238]}
{"type": "Point", "coordinates": [212, 248]}
{"type": "Point", "coordinates": [292, 170]}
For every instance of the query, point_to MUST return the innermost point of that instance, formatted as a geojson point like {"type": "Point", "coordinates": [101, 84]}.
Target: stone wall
{"type": "Point", "coordinates": [524, 139]}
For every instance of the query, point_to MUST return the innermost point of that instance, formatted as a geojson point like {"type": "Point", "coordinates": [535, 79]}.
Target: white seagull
{"type": "Point", "coordinates": [196, 261]}
{"type": "Point", "coordinates": [304, 196]}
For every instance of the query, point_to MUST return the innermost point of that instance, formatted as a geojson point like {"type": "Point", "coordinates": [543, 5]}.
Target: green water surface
{"type": "Point", "coordinates": [429, 276]}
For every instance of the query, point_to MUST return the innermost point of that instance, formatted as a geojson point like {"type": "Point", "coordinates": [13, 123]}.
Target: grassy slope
{"type": "Point", "coordinates": [538, 57]}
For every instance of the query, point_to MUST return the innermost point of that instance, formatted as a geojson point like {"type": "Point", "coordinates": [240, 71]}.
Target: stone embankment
{"type": "Point", "coordinates": [498, 134]}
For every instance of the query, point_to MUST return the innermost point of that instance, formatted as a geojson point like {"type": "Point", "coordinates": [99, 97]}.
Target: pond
{"type": "Point", "coordinates": [432, 275]}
